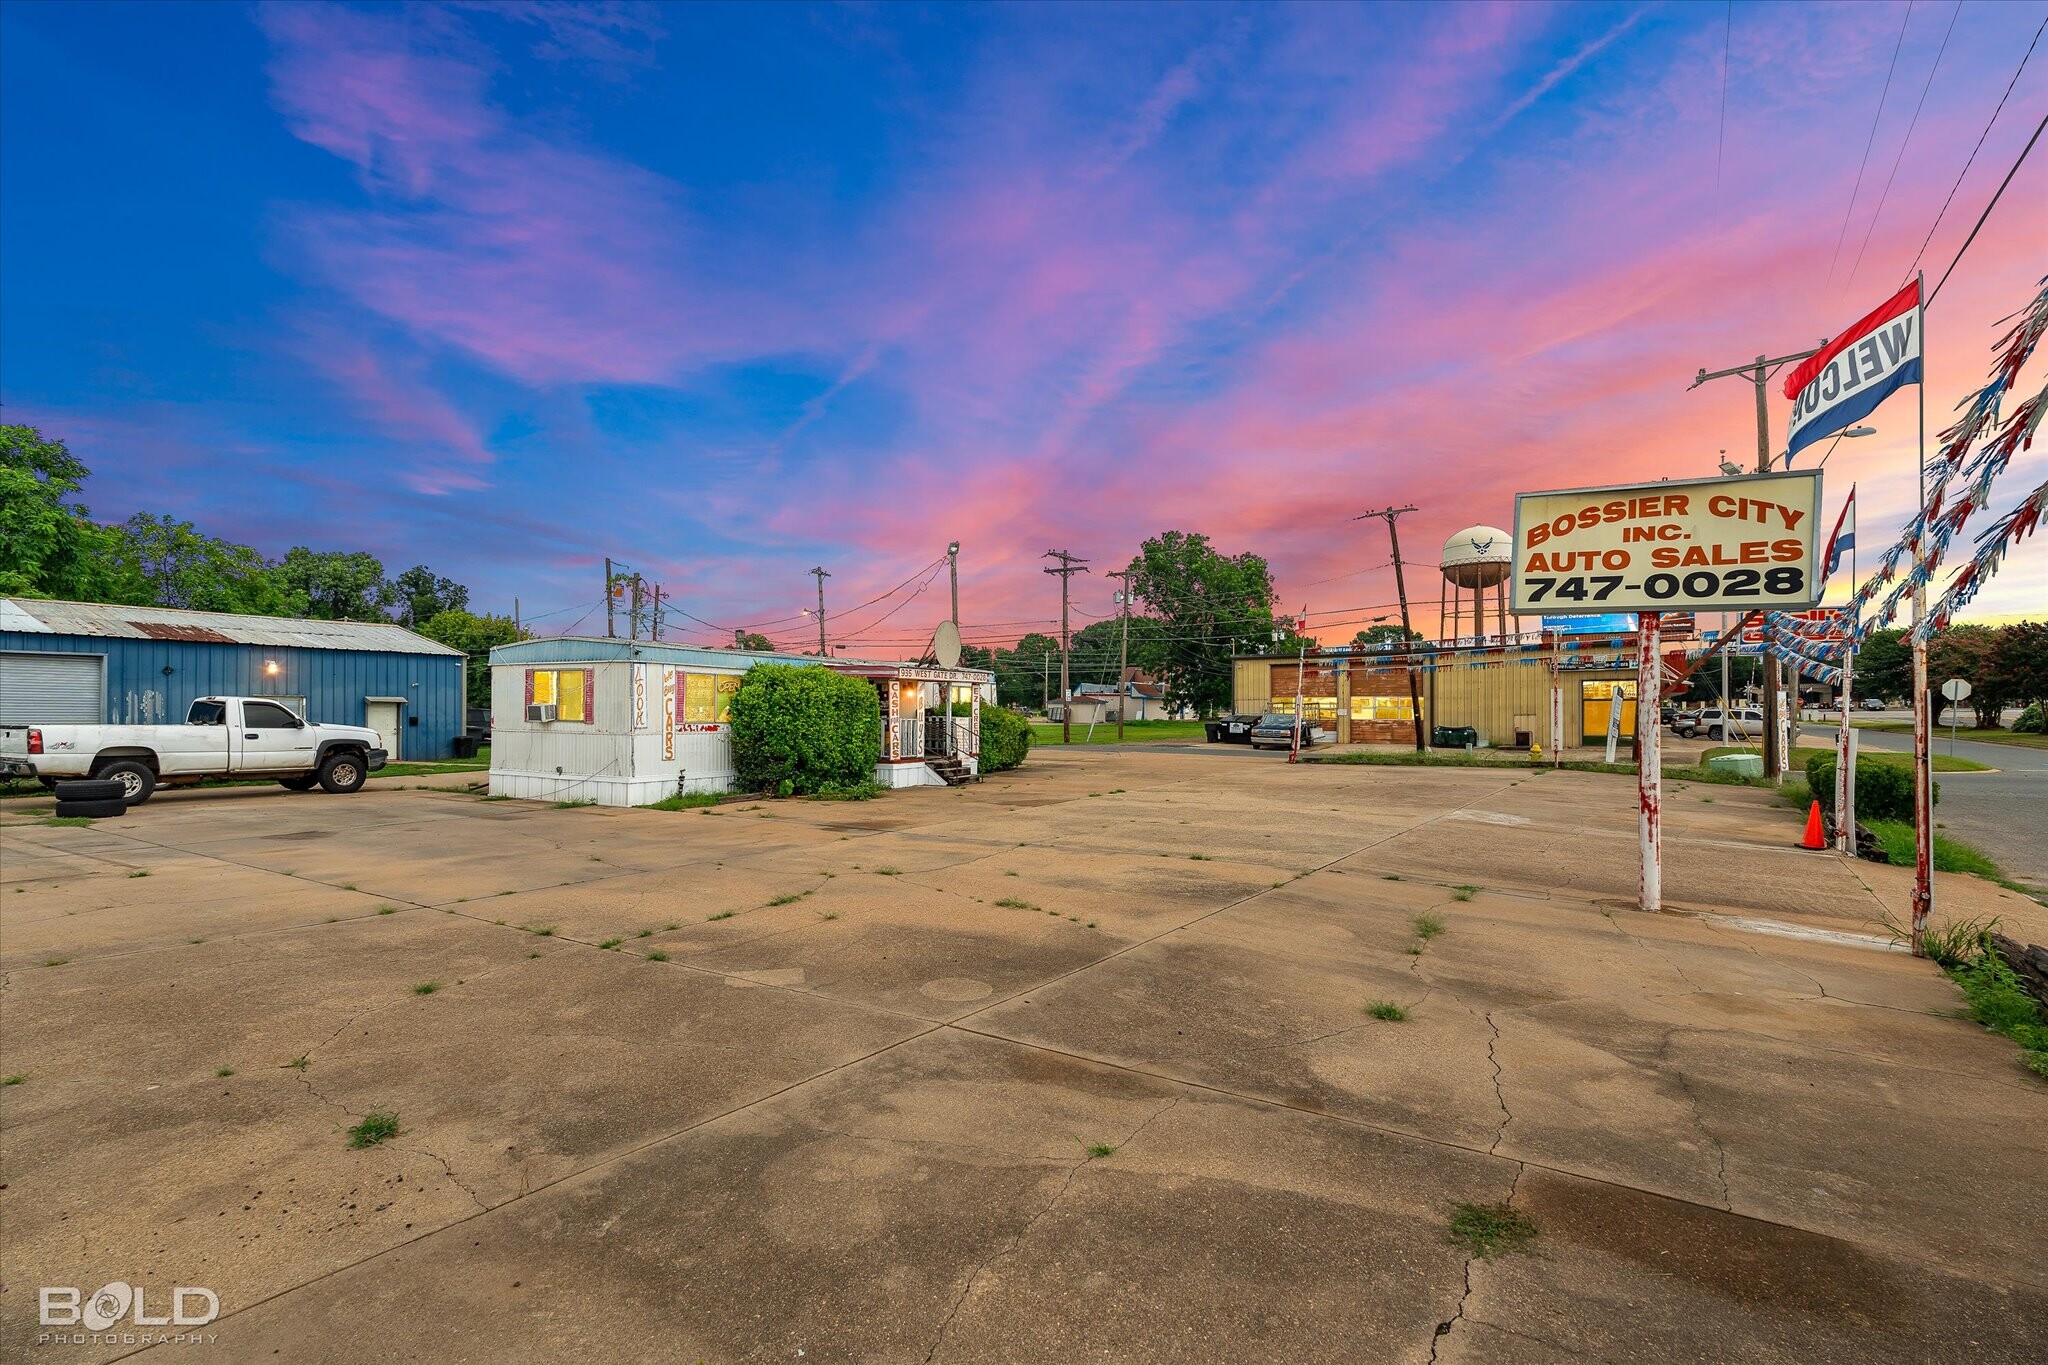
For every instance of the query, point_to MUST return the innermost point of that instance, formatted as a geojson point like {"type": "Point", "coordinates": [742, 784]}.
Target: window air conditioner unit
{"type": "Point", "coordinates": [540, 711]}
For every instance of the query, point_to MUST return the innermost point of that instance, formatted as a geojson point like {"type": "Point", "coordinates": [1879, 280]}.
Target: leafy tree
{"type": "Point", "coordinates": [1209, 606]}
{"type": "Point", "coordinates": [1884, 665]}
{"type": "Point", "coordinates": [1969, 652]}
{"type": "Point", "coordinates": [799, 728]}
{"type": "Point", "coordinates": [1385, 635]}
{"type": "Point", "coordinates": [1022, 671]}
{"type": "Point", "coordinates": [2020, 656]}
{"type": "Point", "coordinates": [49, 546]}
{"type": "Point", "coordinates": [473, 635]}
{"type": "Point", "coordinates": [174, 565]}
{"type": "Point", "coordinates": [420, 594]}
{"type": "Point", "coordinates": [753, 640]}
{"type": "Point", "coordinates": [337, 585]}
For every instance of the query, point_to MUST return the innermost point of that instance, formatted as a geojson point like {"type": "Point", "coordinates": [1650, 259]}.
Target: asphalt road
{"type": "Point", "coordinates": [2005, 813]}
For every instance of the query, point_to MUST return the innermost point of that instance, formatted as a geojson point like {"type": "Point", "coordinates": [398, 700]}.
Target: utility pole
{"type": "Point", "coordinates": [633, 612]}
{"type": "Point", "coordinates": [953, 561]}
{"type": "Point", "coordinates": [654, 621]}
{"type": "Point", "coordinates": [1123, 666]}
{"type": "Point", "coordinates": [610, 630]}
{"type": "Point", "coordinates": [1390, 515]}
{"type": "Point", "coordinates": [821, 574]}
{"type": "Point", "coordinates": [1758, 372]}
{"type": "Point", "coordinates": [515, 618]}
{"type": "Point", "coordinates": [1069, 566]}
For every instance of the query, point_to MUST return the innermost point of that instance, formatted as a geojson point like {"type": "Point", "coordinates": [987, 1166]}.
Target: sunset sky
{"type": "Point", "coordinates": [727, 292]}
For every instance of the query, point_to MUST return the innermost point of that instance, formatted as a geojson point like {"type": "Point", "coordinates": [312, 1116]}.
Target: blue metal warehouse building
{"type": "Point", "coordinates": [87, 662]}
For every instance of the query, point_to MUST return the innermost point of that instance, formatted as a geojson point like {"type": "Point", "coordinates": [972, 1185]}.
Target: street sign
{"type": "Point", "coordinates": [1955, 689]}
{"type": "Point", "coordinates": [1677, 545]}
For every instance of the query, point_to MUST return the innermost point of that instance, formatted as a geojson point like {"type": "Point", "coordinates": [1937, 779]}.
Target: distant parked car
{"type": "Point", "coordinates": [1683, 719]}
{"type": "Point", "coordinates": [1745, 722]}
{"type": "Point", "coordinates": [1277, 732]}
{"type": "Point", "coordinates": [1872, 703]}
{"type": "Point", "coordinates": [1230, 729]}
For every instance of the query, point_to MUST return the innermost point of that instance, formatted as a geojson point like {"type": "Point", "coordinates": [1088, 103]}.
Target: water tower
{"type": "Point", "coordinates": [1477, 559]}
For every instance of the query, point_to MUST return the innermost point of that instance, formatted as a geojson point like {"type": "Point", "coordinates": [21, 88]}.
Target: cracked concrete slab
{"type": "Point", "coordinates": [863, 1122]}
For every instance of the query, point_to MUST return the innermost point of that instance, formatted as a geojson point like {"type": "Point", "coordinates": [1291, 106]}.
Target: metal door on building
{"type": "Point", "coordinates": [52, 689]}
{"type": "Point", "coordinates": [385, 715]}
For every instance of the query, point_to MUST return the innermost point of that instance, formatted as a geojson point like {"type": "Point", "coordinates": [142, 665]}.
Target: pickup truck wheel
{"type": "Point", "coordinates": [297, 784]}
{"type": "Point", "coordinates": [136, 779]}
{"type": "Point", "coordinates": [343, 773]}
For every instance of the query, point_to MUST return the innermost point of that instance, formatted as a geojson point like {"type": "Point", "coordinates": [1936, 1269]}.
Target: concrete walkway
{"type": "Point", "coordinates": [1072, 1065]}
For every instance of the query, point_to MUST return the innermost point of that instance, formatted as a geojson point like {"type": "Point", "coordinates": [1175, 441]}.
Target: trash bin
{"type": "Point", "coordinates": [1454, 737]}
{"type": "Point", "coordinates": [1213, 730]}
{"type": "Point", "coordinates": [465, 746]}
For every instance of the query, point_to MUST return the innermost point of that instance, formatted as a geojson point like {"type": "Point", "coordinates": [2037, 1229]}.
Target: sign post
{"type": "Point", "coordinates": [1650, 768]}
{"type": "Point", "coordinates": [1957, 691]}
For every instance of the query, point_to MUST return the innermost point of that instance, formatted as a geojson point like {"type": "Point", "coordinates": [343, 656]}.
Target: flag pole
{"type": "Point", "coordinates": [1923, 775]}
{"type": "Point", "coordinates": [1845, 780]}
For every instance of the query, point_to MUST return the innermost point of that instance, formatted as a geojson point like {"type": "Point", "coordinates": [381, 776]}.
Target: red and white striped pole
{"type": "Point", "coordinates": [1650, 765]}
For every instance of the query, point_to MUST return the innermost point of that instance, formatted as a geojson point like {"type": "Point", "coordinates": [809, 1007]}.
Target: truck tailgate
{"type": "Point", "coordinates": [13, 741]}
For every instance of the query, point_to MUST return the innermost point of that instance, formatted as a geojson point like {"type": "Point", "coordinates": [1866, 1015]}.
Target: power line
{"type": "Point", "coordinates": [1868, 144]}
{"type": "Point", "coordinates": [1987, 209]}
{"type": "Point", "coordinates": [1721, 135]}
{"type": "Point", "coordinates": [1910, 126]}
{"type": "Point", "coordinates": [1973, 152]}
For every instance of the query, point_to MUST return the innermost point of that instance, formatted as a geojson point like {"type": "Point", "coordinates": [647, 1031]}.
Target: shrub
{"type": "Point", "coordinates": [2031, 721]}
{"type": "Point", "coordinates": [1884, 791]}
{"type": "Point", "coordinates": [802, 728]}
{"type": "Point", "coordinates": [1005, 739]}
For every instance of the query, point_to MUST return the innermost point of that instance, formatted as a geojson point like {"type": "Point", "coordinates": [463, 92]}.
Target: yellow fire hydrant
{"type": "Point", "coordinates": [1535, 752]}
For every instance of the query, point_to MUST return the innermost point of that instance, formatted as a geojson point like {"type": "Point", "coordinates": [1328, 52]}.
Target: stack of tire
{"type": "Point", "coordinates": [93, 798]}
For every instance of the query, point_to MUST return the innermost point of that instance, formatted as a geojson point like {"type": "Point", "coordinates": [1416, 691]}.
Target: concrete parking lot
{"type": "Point", "coordinates": [1076, 1064]}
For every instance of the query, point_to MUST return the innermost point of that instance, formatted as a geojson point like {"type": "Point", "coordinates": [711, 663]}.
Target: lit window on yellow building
{"type": "Point", "coordinates": [728, 684]}
{"type": "Point", "coordinates": [1381, 708]}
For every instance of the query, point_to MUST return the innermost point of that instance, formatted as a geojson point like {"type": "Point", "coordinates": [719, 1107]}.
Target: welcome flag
{"type": "Point", "coordinates": [1845, 381]}
{"type": "Point", "coordinates": [1843, 539]}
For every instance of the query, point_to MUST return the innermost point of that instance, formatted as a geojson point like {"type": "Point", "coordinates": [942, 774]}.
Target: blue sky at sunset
{"type": "Point", "coordinates": [728, 291]}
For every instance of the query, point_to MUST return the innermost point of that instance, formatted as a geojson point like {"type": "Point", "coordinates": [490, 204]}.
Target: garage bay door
{"type": "Point", "coordinates": [51, 689]}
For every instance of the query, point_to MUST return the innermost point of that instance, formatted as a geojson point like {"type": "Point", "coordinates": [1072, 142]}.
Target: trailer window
{"type": "Point", "coordinates": [565, 687]}
{"type": "Point", "coordinates": [207, 713]}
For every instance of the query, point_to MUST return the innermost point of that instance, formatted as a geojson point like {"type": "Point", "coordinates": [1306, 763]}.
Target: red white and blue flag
{"type": "Point", "coordinates": [1844, 538]}
{"type": "Point", "coordinates": [1851, 375]}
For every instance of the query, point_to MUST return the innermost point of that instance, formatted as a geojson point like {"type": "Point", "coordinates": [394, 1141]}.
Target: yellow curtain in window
{"type": "Point", "coordinates": [569, 695]}
{"type": "Point", "coordinates": [543, 685]}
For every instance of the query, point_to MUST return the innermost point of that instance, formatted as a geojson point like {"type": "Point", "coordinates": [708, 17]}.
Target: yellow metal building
{"type": "Point", "coordinates": [1501, 691]}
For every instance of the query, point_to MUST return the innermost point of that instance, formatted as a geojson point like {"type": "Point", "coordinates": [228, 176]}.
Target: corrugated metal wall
{"type": "Point", "coordinates": [1252, 687]}
{"type": "Point", "coordinates": [334, 682]}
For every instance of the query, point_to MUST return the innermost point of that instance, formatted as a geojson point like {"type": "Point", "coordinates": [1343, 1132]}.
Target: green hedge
{"type": "Point", "coordinates": [1884, 791]}
{"type": "Point", "coordinates": [1005, 739]}
{"type": "Point", "coordinates": [802, 728]}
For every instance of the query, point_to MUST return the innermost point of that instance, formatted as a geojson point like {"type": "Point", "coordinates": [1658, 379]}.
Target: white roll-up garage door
{"type": "Point", "coordinates": [51, 689]}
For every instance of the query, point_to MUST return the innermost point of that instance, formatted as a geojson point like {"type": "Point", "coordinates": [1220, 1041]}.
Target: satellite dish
{"type": "Point", "coordinates": [946, 645]}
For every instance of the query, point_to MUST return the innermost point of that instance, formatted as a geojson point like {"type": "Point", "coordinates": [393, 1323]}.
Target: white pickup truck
{"type": "Point", "coordinates": [221, 737]}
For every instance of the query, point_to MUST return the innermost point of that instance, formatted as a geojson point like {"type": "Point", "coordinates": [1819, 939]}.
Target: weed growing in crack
{"type": "Point", "coordinates": [1012, 903]}
{"type": "Point", "coordinates": [1089, 925]}
{"type": "Point", "coordinates": [1483, 1229]}
{"type": "Point", "coordinates": [300, 1062]}
{"type": "Point", "coordinates": [224, 1072]}
{"type": "Point", "coordinates": [888, 872]}
{"type": "Point", "coordinates": [195, 940]}
{"type": "Point", "coordinates": [55, 961]}
{"type": "Point", "coordinates": [657, 956]}
{"type": "Point", "coordinates": [546, 931]}
{"type": "Point", "coordinates": [723, 914]}
{"type": "Point", "coordinates": [1391, 877]}
{"type": "Point", "coordinates": [830, 914]}
{"type": "Point", "coordinates": [139, 872]}
{"type": "Point", "coordinates": [348, 886]}
{"type": "Point", "coordinates": [1100, 1149]}
{"type": "Point", "coordinates": [790, 899]}
{"type": "Point", "coordinates": [379, 1125]}
{"type": "Point", "coordinates": [1200, 858]}
{"type": "Point", "coordinates": [644, 933]}
{"type": "Point", "coordinates": [611, 943]}
{"type": "Point", "coordinates": [12, 1080]}
{"type": "Point", "coordinates": [1387, 1010]}
{"type": "Point", "coordinates": [1464, 893]}
{"type": "Point", "coordinates": [1415, 950]}
{"type": "Point", "coordinates": [387, 909]}
{"type": "Point", "coordinates": [426, 988]}
{"type": "Point", "coordinates": [671, 927]}
{"type": "Point", "coordinates": [532, 955]}
{"type": "Point", "coordinates": [1428, 926]}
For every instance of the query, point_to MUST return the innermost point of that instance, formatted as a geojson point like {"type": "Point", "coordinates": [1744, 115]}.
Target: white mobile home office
{"type": "Point", "coordinates": [628, 722]}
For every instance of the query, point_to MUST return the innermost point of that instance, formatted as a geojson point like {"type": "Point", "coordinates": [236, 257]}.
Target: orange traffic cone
{"type": "Point", "coordinates": [1813, 839]}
